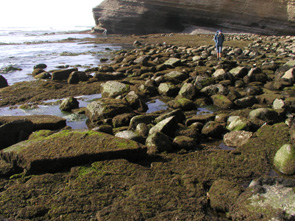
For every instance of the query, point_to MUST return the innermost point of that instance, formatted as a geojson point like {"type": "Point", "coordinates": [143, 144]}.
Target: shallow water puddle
{"type": "Point", "coordinates": [74, 120]}
{"type": "Point", "coordinates": [156, 105]}
{"type": "Point", "coordinates": [225, 147]}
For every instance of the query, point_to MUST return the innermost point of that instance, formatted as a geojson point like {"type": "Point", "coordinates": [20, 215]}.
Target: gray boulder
{"type": "Point", "coordinates": [236, 123]}
{"type": "Point", "coordinates": [237, 138]}
{"type": "Point", "coordinates": [106, 108]}
{"type": "Point", "coordinates": [188, 91]}
{"type": "Point", "coordinates": [130, 135]}
{"type": "Point", "coordinates": [239, 72]}
{"type": "Point", "coordinates": [146, 119]}
{"type": "Point", "coordinates": [158, 142]}
{"type": "Point", "coordinates": [168, 89]}
{"type": "Point", "coordinates": [167, 126]}
{"type": "Point", "coordinates": [114, 88]}
{"type": "Point", "coordinates": [68, 104]}
{"type": "Point", "coordinates": [184, 142]}
{"type": "Point", "coordinates": [176, 75]}
{"type": "Point", "coordinates": [213, 129]}
{"type": "Point", "coordinates": [266, 114]}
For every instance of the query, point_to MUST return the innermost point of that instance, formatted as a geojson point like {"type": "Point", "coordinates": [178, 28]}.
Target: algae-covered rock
{"type": "Point", "coordinates": [188, 90]}
{"type": "Point", "coordinates": [130, 135]}
{"type": "Point", "coordinates": [114, 88]}
{"type": "Point", "coordinates": [184, 142]}
{"type": "Point", "coordinates": [166, 126]}
{"type": "Point", "coordinates": [168, 89]}
{"type": "Point", "coordinates": [267, 114]}
{"type": "Point", "coordinates": [182, 103]}
{"type": "Point", "coordinates": [106, 108]}
{"type": "Point", "coordinates": [3, 82]}
{"type": "Point", "coordinates": [62, 74]}
{"type": "Point", "coordinates": [266, 199]}
{"type": "Point", "coordinates": [70, 148]}
{"type": "Point", "coordinates": [214, 129]}
{"type": "Point", "coordinates": [284, 159]}
{"type": "Point", "coordinates": [237, 138]}
{"type": "Point", "coordinates": [235, 123]}
{"type": "Point", "coordinates": [68, 104]}
{"type": "Point", "coordinates": [222, 101]}
{"type": "Point", "coordinates": [158, 142]}
{"type": "Point", "coordinates": [223, 194]}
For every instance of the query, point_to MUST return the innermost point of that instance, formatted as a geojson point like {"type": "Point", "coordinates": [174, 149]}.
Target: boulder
{"type": "Point", "coordinates": [202, 118]}
{"type": "Point", "coordinates": [64, 74]}
{"type": "Point", "coordinates": [3, 82]}
{"type": "Point", "coordinates": [106, 108]}
{"type": "Point", "coordinates": [239, 72]}
{"type": "Point", "coordinates": [184, 142]}
{"type": "Point", "coordinates": [43, 75]}
{"type": "Point", "coordinates": [213, 129]}
{"type": "Point", "coordinates": [214, 89]}
{"type": "Point", "coordinates": [182, 103]}
{"type": "Point", "coordinates": [237, 138]}
{"type": "Point", "coordinates": [77, 76]}
{"type": "Point", "coordinates": [289, 75]}
{"type": "Point", "coordinates": [37, 71]}
{"type": "Point", "coordinates": [284, 160]}
{"type": "Point", "coordinates": [178, 114]}
{"type": "Point", "coordinates": [146, 119]}
{"type": "Point", "coordinates": [247, 101]}
{"type": "Point", "coordinates": [266, 114]}
{"type": "Point", "coordinates": [176, 76]}
{"type": "Point", "coordinates": [188, 91]}
{"type": "Point", "coordinates": [122, 120]}
{"type": "Point", "coordinates": [158, 142]}
{"type": "Point", "coordinates": [173, 62]}
{"type": "Point", "coordinates": [66, 149]}
{"type": "Point", "coordinates": [236, 123]}
{"type": "Point", "coordinates": [142, 129]}
{"type": "Point", "coordinates": [130, 135]}
{"type": "Point", "coordinates": [114, 88]}
{"type": "Point", "coordinates": [278, 104]}
{"type": "Point", "coordinates": [222, 101]}
{"type": "Point", "coordinates": [168, 89]}
{"type": "Point", "coordinates": [68, 104]}
{"type": "Point", "coordinates": [41, 66]}
{"type": "Point", "coordinates": [136, 102]}
{"type": "Point", "coordinates": [166, 126]}
{"type": "Point", "coordinates": [105, 128]}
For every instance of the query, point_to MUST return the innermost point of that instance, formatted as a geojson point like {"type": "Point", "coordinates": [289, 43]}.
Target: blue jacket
{"type": "Point", "coordinates": [219, 39]}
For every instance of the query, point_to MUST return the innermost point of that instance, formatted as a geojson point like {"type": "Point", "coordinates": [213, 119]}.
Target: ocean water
{"type": "Point", "coordinates": [23, 48]}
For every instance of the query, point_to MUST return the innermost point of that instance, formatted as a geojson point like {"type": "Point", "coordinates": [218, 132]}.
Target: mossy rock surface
{"type": "Point", "coordinates": [69, 148]}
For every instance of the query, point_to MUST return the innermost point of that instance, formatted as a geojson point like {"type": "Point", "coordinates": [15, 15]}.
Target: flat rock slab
{"type": "Point", "coordinates": [65, 149]}
{"type": "Point", "coordinates": [40, 122]}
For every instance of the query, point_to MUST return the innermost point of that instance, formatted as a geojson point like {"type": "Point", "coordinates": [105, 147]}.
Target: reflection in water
{"type": "Point", "coordinates": [74, 120]}
{"type": "Point", "coordinates": [156, 105]}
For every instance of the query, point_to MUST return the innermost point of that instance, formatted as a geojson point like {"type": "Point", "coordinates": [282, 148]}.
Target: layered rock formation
{"type": "Point", "coordinates": [158, 16]}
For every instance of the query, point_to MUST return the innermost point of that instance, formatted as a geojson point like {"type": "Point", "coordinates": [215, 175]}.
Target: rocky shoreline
{"type": "Point", "coordinates": [174, 164]}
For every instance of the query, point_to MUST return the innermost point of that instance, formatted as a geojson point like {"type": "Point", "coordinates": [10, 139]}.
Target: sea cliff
{"type": "Point", "coordinates": [158, 16]}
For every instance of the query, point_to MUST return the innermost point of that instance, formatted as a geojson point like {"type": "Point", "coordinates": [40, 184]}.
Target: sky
{"type": "Point", "coordinates": [47, 13]}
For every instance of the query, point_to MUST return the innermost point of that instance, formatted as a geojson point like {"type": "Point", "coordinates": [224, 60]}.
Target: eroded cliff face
{"type": "Point", "coordinates": [159, 16]}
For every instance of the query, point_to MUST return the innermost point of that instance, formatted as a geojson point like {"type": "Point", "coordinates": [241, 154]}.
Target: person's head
{"type": "Point", "coordinates": [219, 32]}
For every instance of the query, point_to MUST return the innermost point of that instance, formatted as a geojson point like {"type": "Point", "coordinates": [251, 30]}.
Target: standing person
{"type": "Point", "coordinates": [219, 39]}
